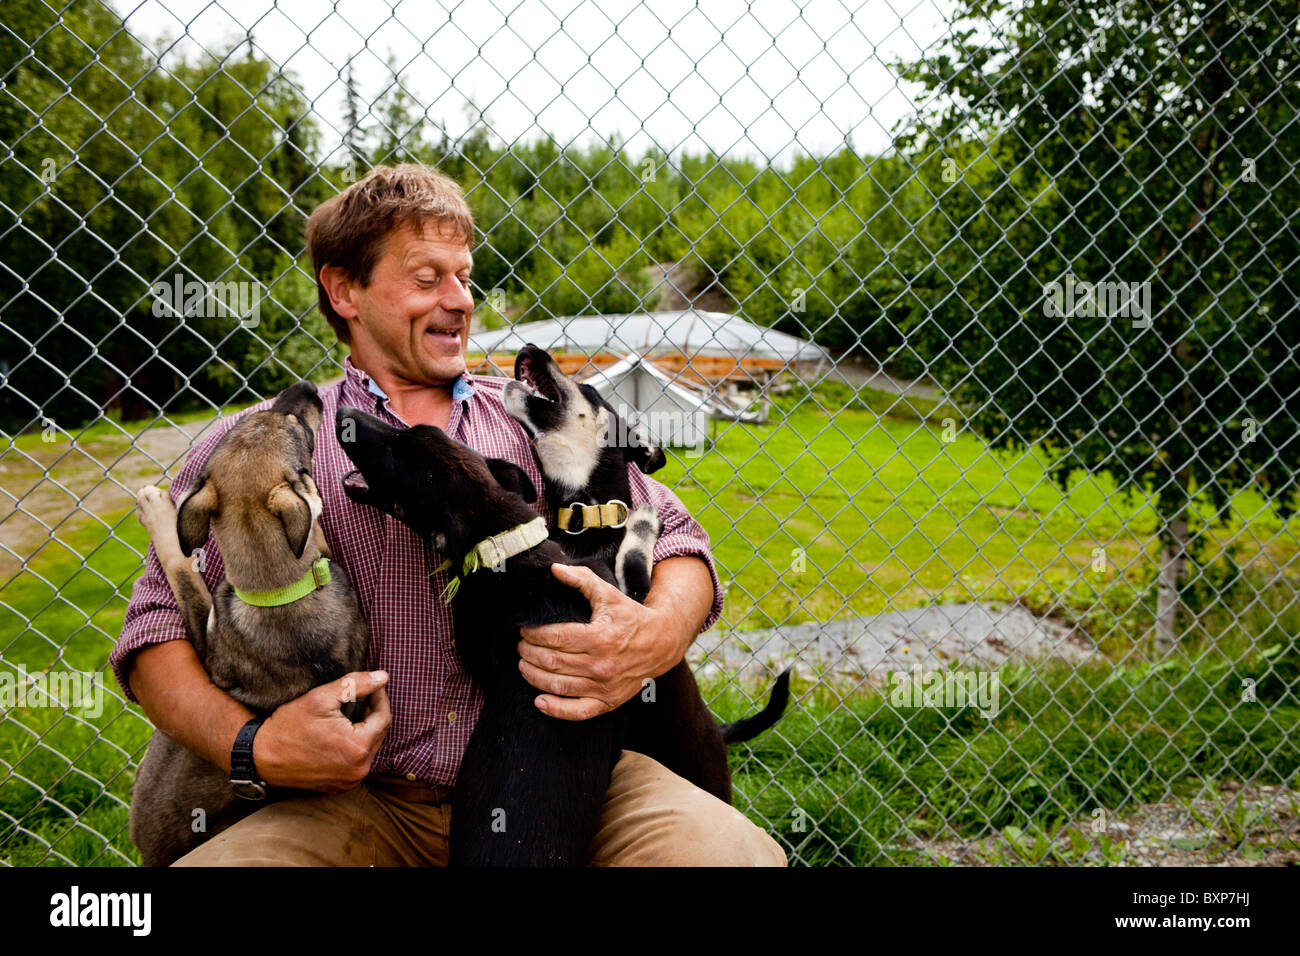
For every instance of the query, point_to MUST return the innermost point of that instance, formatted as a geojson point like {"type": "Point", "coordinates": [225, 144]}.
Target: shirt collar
{"type": "Point", "coordinates": [461, 390]}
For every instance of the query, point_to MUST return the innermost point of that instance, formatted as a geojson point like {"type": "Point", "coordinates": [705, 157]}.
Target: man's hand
{"type": "Point", "coordinates": [590, 669]}
{"type": "Point", "coordinates": [308, 743]}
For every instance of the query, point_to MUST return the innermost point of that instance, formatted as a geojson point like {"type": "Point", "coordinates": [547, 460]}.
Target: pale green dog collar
{"type": "Point", "coordinates": [492, 552]}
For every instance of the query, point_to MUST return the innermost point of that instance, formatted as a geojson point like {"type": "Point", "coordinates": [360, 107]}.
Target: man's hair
{"type": "Point", "coordinates": [349, 230]}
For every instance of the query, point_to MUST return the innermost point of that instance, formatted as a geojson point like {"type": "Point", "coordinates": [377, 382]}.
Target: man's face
{"type": "Point", "coordinates": [413, 317]}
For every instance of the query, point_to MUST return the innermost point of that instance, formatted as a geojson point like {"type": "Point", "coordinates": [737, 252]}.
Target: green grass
{"type": "Point", "coordinates": [109, 428]}
{"type": "Point", "coordinates": [60, 768]}
{"type": "Point", "coordinates": [886, 514]}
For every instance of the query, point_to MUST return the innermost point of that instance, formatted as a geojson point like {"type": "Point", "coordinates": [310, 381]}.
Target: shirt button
{"type": "Point", "coordinates": [411, 777]}
{"type": "Point", "coordinates": [451, 717]}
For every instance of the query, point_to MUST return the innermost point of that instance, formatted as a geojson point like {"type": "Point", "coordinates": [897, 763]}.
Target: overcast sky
{"type": "Point", "coordinates": [770, 77]}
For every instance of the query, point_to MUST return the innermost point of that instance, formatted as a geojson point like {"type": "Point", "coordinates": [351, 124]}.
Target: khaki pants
{"type": "Point", "coordinates": [652, 817]}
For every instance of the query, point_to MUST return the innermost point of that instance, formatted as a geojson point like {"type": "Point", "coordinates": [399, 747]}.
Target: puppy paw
{"type": "Point", "coordinates": [154, 509]}
{"type": "Point", "coordinates": [635, 558]}
{"type": "Point", "coordinates": [644, 523]}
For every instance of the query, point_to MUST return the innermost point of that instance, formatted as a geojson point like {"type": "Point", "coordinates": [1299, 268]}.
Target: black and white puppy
{"type": "Point", "coordinates": [585, 449]}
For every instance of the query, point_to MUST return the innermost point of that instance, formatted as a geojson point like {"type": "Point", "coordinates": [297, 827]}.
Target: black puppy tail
{"type": "Point", "coordinates": [749, 727]}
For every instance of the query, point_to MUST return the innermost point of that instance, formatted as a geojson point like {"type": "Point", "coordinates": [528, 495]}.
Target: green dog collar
{"type": "Point", "coordinates": [317, 577]}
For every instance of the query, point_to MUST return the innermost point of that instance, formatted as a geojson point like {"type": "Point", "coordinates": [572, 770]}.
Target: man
{"type": "Point", "coordinates": [392, 257]}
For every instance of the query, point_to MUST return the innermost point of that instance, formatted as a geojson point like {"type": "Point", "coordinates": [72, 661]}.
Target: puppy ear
{"type": "Point", "coordinates": [309, 413]}
{"type": "Point", "coordinates": [194, 514]}
{"type": "Point", "coordinates": [302, 401]}
{"type": "Point", "coordinates": [294, 514]}
{"type": "Point", "coordinates": [648, 456]}
{"type": "Point", "coordinates": [511, 476]}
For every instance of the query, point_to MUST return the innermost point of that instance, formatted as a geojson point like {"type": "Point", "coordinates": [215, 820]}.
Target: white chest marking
{"type": "Point", "coordinates": [569, 455]}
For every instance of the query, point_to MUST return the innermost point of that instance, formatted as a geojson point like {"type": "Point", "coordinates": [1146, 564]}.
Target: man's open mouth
{"type": "Point", "coordinates": [447, 334]}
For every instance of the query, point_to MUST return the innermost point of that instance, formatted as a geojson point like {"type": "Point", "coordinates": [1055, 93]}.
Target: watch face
{"type": "Point", "coordinates": [248, 789]}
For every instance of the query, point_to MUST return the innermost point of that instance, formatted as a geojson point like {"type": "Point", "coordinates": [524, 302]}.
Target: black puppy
{"type": "Point", "coordinates": [531, 787]}
{"type": "Point", "coordinates": [585, 448]}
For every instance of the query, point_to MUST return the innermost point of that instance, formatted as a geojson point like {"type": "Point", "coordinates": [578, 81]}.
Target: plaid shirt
{"type": "Point", "coordinates": [435, 705]}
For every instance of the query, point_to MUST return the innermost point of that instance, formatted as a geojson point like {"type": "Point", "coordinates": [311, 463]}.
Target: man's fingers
{"type": "Point", "coordinates": [556, 661]}
{"type": "Point", "coordinates": [559, 637]}
{"type": "Point", "coordinates": [576, 636]}
{"type": "Point", "coordinates": [562, 685]}
{"type": "Point", "coordinates": [379, 715]}
{"type": "Point", "coordinates": [567, 708]}
{"type": "Point", "coordinates": [353, 687]}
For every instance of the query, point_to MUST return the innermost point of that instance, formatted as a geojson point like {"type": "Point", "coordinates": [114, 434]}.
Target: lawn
{"type": "Point", "coordinates": [815, 517]}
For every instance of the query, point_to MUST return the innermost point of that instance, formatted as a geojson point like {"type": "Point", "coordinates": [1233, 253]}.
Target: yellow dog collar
{"type": "Point", "coordinates": [316, 577]}
{"type": "Point", "coordinates": [612, 514]}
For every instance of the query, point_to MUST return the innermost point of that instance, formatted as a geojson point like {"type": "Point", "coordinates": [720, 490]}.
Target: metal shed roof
{"type": "Point", "coordinates": [650, 333]}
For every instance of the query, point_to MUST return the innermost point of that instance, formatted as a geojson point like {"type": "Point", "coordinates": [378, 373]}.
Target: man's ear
{"type": "Point", "coordinates": [648, 456]}
{"type": "Point", "coordinates": [294, 514]}
{"type": "Point", "coordinates": [339, 287]}
{"type": "Point", "coordinates": [511, 476]}
{"type": "Point", "coordinates": [194, 514]}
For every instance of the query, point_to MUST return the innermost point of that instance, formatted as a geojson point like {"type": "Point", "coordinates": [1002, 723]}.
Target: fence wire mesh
{"type": "Point", "coordinates": [974, 324]}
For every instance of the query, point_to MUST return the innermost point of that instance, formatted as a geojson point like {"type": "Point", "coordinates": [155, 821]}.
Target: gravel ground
{"type": "Point", "coordinates": [976, 636]}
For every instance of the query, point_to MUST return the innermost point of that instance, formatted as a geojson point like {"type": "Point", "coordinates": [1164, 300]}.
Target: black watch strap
{"type": "Point", "coordinates": [243, 775]}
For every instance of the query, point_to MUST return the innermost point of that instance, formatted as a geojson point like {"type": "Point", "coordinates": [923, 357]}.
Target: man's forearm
{"type": "Point", "coordinates": [181, 700]}
{"type": "Point", "coordinates": [681, 590]}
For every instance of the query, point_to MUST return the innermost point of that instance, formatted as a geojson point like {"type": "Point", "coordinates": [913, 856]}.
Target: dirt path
{"type": "Point", "coordinates": [52, 489]}
{"type": "Point", "coordinates": [857, 375]}
{"type": "Point", "coordinates": [58, 487]}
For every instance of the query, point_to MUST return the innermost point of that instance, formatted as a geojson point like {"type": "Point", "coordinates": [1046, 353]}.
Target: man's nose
{"type": "Point", "coordinates": [457, 297]}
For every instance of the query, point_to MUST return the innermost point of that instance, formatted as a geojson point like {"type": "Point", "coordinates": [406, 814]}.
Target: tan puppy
{"type": "Point", "coordinates": [284, 620]}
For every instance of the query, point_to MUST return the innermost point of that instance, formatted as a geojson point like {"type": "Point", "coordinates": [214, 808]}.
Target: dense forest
{"type": "Point", "coordinates": [122, 172]}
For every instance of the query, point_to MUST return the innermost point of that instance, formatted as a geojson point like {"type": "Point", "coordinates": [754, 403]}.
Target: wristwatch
{"type": "Point", "coordinates": [243, 775]}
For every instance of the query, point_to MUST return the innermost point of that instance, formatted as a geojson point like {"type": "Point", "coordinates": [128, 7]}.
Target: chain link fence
{"type": "Point", "coordinates": [989, 313]}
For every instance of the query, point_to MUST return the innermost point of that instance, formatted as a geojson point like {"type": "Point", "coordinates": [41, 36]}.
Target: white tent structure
{"type": "Point", "coordinates": [673, 411]}
{"type": "Point", "coordinates": [653, 333]}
